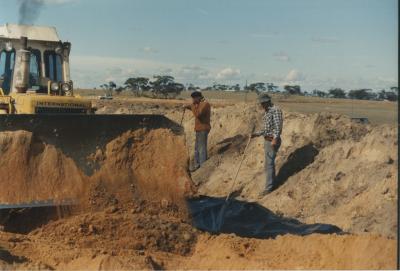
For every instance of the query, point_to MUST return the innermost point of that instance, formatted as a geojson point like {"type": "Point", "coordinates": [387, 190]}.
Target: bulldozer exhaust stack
{"type": "Point", "coordinates": [21, 68]}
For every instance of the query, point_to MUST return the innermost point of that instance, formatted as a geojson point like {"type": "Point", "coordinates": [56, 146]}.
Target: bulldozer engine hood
{"type": "Point", "coordinates": [44, 104]}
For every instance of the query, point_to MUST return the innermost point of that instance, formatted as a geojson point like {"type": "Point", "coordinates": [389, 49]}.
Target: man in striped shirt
{"type": "Point", "coordinates": [273, 122]}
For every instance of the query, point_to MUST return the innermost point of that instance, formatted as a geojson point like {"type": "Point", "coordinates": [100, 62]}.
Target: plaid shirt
{"type": "Point", "coordinates": [273, 122]}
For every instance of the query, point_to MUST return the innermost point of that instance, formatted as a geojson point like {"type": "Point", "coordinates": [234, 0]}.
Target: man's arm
{"type": "Point", "coordinates": [257, 134]}
{"type": "Point", "coordinates": [261, 132]}
{"type": "Point", "coordinates": [200, 109]}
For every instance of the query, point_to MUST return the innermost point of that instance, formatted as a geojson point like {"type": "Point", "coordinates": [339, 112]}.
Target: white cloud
{"type": "Point", "coordinates": [91, 71]}
{"type": "Point", "coordinates": [165, 71]}
{"type": "Point", "coordinates": [314, 81]}
{"type": "Point", "coordinates": [228, 74]}
{"type": "Point", "coordinates": [148, 49]}
{"type": "Point", "coordinates": [387, 80]}
{"type": "Point", "coordinates": [282, 56]}
{"type": "Point", "coordinates": [194, 74]}
{"type": "Point", "coordinates": [294, 76]}
{"type": "Point", "coordinates": [273, 78]}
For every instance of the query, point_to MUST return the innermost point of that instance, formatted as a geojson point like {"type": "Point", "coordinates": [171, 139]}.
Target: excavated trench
{"type": "Point", "coordinates": [132, 195]}
{"type": "Point", "coordinates": [105, 161]}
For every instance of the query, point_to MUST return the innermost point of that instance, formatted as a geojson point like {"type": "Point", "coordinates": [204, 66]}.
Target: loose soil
{"type": "Point", "coordinates": [132, 213]}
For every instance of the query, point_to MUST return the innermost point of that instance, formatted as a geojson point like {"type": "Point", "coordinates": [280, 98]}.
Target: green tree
{"type": "Point", "coordinates": [387, 95]}
{"type": "Point", "coordinates": [119, 89]}
{"type": "Point", "coordinates": [293, 90]}
{"type": "Point", "coordinates": [220, 87]}
{"type": "Point", "coordinates": [109, 87]}
{"type": "Point", "coordinates": [137, 84]}
{"type": "Point", "coordinates": [192, 87]}
{"type": "Point", "coordinates": [236, 87]}
{"type": "Point", "coordinates": [166, 87]}
{"type": "Point", "coordinates": [256, 87]}
{"type": "Point", "coordinates": [319, 93]}
{"type": "Point", "coordinates": [161, 83]}
{"type": "Point", "coordinates": [362, 94]}
{"type": "Point", "coordinates": [112, 85]}
{"type": "Point", "coordinates": [337, 93]}
{"type": "Point", "coordinates": [272, 87]}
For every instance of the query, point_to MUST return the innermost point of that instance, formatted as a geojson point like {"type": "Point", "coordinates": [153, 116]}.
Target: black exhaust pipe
{"type": "Point", "coordinates": [24, 43]}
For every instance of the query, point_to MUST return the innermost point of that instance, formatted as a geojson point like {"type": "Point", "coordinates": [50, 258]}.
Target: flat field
{"type": "Point", "coordinates": [377, 112]}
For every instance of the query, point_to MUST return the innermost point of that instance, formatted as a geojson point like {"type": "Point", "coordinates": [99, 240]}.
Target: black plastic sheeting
{"type": "Point", "coordinates": [247, 219]}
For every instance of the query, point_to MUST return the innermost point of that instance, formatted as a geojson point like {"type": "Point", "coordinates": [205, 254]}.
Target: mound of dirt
{"type": "Point", "coordinates": [291, 252]}
{"type": "Point", "coordinates": [134, 201]}
{"type": "Point", "coordinates": [120, 228]}
{"type": "Point", "coordinates": [140, 165]}
{"type": "Point", "coordinates": [330, 169]}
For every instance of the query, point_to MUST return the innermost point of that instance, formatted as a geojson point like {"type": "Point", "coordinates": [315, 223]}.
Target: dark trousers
{"type": "Point", "coordinates": [200, 148]}
{"type": "Point", "coordinates": [270, 156]}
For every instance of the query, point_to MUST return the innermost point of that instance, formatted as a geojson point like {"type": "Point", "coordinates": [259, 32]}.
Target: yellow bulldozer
{"type": "Point", "coordinates": [37, 95]}
{"type": "Point", "coordinates": [35, 73]}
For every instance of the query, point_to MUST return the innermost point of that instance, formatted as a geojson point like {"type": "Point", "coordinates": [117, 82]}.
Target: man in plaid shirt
{"type": "Point", "coordinates": [273, 122]}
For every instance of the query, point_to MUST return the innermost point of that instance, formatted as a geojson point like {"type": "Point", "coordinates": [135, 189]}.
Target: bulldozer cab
{"type": "Point", "coordinates": [48, 59]}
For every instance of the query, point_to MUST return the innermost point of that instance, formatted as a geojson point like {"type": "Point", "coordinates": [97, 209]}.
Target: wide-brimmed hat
{"type": "Point", "coordinates": [264, 98]}
{"type": "Point", "coordinates": [196, 94]}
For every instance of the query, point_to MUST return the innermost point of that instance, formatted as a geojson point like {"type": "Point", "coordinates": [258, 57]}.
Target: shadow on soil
{"type": "Point", "coordinates": [24, 220]}
{"type": "Point", "coordinates": [296, 162]}
{"type": "Point", "coordinates": [233, 145]}
{"type": "Point", "coordinates": [11, 259]}
{"type": "Point", "coordinates": [248, 219]}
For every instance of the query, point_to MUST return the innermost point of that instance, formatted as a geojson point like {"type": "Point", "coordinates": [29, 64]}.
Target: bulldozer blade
{"type": "Point", "coordinates": [37, 204]}
{"type": "Point", "coordinates": [80, 135]}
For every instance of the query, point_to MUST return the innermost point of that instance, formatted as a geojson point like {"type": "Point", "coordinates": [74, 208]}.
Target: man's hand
{"type": "Point", "coordinates": [275, 142]}
{"type": "Point", "coordinates": [186, 107]}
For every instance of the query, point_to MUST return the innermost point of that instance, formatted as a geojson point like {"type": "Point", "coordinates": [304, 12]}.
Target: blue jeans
{"type": "Point", "coordinates": [270, 155]}
{"type": "Point", "coordinates": [200, 148]}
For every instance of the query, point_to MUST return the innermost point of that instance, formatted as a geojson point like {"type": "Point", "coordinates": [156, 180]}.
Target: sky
{"type": "Point", "coordinates": [317, 44]}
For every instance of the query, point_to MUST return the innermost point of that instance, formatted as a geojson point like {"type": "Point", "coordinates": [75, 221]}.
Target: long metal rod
{"type": "Point", "coordinates": [219, 219]}
{"type": "Point", "coordinates": [238, 170]}
{"type": "Point", "coordinates": [184, 135]}
{"type": "Point", "coordinates": [183, 115]}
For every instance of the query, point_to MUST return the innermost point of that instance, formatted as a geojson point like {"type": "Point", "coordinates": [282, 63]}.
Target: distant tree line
{"type": "Point", "coordinates": [164, 86]}
{"type": "Point", "coordinates": [360, 94]}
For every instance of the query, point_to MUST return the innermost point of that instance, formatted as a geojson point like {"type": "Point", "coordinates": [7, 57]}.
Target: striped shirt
{"type": "Point", "coordinates": [273, 122]}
